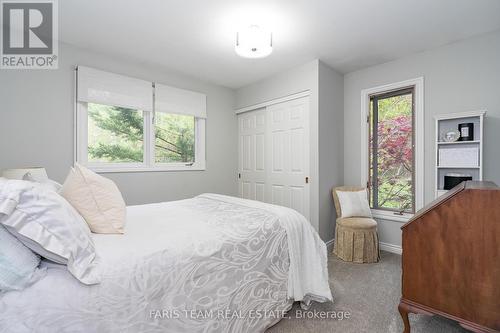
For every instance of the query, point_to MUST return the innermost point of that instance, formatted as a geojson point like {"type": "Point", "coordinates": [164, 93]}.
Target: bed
{"type": "Point", "coordinates": [212, 263]}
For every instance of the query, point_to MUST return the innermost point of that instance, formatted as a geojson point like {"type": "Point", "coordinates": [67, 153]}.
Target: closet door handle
{"type": "Point", "coordinates": [307, 180]}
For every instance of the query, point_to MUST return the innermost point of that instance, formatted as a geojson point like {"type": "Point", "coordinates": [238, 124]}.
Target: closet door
{"type": "Point", "coordinates": [251, 159]}
{"type": "Point", "coordinates": [287, 154]}
{"type": "Point", "coordinates": [274, 154]}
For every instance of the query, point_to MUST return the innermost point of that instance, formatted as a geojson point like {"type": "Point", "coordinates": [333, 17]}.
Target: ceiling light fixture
{"type": "Point", "coordinates": [254, 42]}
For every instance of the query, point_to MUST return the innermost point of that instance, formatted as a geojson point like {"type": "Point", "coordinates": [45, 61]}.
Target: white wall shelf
{"type": "Point", "coordinates": [459, 142]}
{"type": "Point", "coordinates": [457, 167]}
{"type": "Point", "coordinates": [474, 166]}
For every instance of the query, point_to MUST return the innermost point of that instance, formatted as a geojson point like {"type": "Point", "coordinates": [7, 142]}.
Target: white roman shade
{"type": "Point", "coordinates": [179, 101]}
{"type": "Point", "coordinates": [96, 86]}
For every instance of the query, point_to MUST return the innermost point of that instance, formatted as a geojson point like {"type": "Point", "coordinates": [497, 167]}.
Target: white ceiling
{"type": "Point", "coordinates": [197, 37]}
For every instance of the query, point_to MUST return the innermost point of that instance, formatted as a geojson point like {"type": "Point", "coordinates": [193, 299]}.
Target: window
{"type": "Point", "coordinates": [174, 135]}
{"type": "Point", "coordinates": [392, 148]}
{"type": "Point", "coordinates": [115, 134]}
{"type": "Point", "coordinates": [391, 153]}
{"type": "Point", "coordinates": [126, 124]}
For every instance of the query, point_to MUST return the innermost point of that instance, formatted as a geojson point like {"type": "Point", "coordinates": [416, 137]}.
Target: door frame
{"type": "Point", "coordinates": [287, 98]}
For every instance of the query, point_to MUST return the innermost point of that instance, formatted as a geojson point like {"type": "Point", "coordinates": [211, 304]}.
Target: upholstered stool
{"type": "Point", "coordinates": [356, 238]}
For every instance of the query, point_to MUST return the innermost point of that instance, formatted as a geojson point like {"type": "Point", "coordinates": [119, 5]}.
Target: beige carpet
{"type": "Point", "coordinates": [370, 293]}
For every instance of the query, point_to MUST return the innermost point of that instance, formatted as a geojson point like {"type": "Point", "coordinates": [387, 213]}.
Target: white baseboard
{"type": "Point", "coordinates": [390, 248]}
{"type": "Point", "coordinates": [329, 245]}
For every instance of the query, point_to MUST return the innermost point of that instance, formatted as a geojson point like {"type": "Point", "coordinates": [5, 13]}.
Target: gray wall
{"type": "Point", "coordinates": [331, 147]}
{"type": "Point", "coordinates": [36, 127]}
{"type": "Point", "coordinates": [295, 80]}
{"type": "Point", "coordinates": [458, 77]}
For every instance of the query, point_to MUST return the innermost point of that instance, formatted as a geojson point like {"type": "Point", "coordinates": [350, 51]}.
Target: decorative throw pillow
{"type": "Point", "coordinates": [47, 224]}
{"type": "Point", "coordinates": [18, 265]}
{"type": "Point", "coordinates": [354, 203]}
{"type": "Point", "coordinates": [97, 199]}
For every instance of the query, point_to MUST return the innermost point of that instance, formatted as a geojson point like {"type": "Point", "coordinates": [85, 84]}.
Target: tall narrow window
{"type": "Point", "coordinates": [392, 155]}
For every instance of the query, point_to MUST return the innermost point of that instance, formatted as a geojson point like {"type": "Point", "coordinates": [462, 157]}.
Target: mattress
{"type": "Point", "coordinates": [207, 264]}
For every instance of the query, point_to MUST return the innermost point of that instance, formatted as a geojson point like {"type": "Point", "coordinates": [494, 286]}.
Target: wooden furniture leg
{"type": "Point", "coordinates": [403, 310]}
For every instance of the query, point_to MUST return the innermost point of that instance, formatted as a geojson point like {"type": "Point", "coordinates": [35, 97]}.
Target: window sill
{"type": "Point", "coordinates": [141, 168]}
{"type": "Point", "coordinates": [391, 216]}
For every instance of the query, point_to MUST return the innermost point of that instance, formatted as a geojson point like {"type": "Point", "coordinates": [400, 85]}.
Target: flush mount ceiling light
{"type": "Point", "coordinates": [254, 42]}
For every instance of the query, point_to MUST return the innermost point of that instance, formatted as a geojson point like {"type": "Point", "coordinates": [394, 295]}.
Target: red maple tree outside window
{"type": "Point", "coordinates": [391, 182]}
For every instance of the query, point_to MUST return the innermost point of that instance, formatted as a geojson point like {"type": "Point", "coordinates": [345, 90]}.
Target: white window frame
{"type": "Point", "coordinates": [418, 85]}
{"type": "Point", "coordinates": [148, 164]}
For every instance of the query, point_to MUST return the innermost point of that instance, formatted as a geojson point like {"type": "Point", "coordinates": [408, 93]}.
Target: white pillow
{"type": "Point", "coordinates": [97, 199]}
{"type": "Point", "coordinates": [18, 265]}
{"type": "Point", "coordinates": [49, 183]}
{"type": "Point", "coordinates": [47, 224]}
{"type": "Point", "coordinates": [354, 203]}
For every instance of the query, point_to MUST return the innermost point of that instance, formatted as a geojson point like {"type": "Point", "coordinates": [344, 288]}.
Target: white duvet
{"type": "Point", "coordinates": [209, 264]}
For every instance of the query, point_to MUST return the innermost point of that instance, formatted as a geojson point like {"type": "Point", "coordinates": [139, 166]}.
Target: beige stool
{"type": "Point", "coordinates": [356, 238]}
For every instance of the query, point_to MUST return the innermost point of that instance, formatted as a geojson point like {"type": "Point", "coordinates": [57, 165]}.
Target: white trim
{"type": "Point", "coordinates": [150, 137]}
{"type": "Point", "coordinates": [481, 148]}
{"type": "Point", "coordinates": [81, 134]}
{"type": "Point", "coordinates": [390, 216]}
{"type": "Point", "coordinates": [148, 140]}
{"type": "Point", "coordinates": [141, 168]}
{"type": "Point", "coordinates": [458, 115]}
{"type": "Point", "coordinates": [443, 143]}
{"type": "Point", "coordinates": [390, 248]}
{"type": "Point", "coordinates": [418, 84]}
{"type": "Point", "coordinates": [274, 101]}
{"type": "Point", "coordinates": [75, 116]}
{"type": "Point", "coordinates": [457, 167]}
{"type": "Point", "coordinates": [329, 245]}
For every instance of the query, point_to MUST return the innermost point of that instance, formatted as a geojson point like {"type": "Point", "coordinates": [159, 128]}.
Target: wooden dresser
{"type": "Point", "coordinates": [451, 258]}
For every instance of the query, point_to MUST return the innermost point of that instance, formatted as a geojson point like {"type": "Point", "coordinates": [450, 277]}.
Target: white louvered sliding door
{"type": "Point", "coordinates": [274, 154]}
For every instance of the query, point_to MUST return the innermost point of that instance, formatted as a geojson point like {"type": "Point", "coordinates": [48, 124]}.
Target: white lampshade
{"type": "Point", "coordinates": [254, 42]}
{"type": "Point", "coordinates": [36, 172]}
